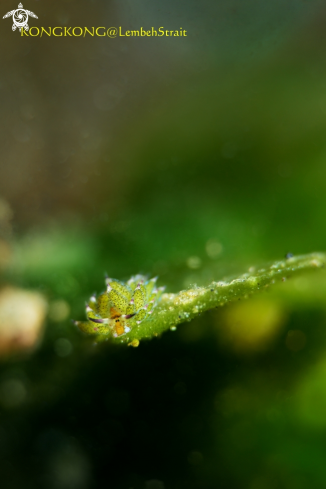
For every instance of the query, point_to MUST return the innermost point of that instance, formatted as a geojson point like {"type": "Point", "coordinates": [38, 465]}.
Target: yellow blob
{"type": "Point", "coordinates": [250, 326]}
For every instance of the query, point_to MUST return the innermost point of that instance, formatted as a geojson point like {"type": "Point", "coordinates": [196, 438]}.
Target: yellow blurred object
{"type": "Point", "coordinates": [250, 326]}
{"type": "Point", "coordinates": [22, 315]}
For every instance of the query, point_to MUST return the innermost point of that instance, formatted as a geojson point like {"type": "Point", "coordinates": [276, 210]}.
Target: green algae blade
{"type": "Point", "coordinates": [174, 309]}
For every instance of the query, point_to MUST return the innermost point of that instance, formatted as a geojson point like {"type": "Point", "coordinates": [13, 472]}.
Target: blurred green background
{"type": "Point", "coordinates": [189, 158]}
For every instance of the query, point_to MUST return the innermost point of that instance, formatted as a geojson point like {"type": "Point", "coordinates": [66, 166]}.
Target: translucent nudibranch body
{"type": "Point", "coordinates": [122, 307]}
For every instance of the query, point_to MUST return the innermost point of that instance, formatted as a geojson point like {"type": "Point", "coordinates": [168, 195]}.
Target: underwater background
{"type": "Point", "coordinates": [192, 159]}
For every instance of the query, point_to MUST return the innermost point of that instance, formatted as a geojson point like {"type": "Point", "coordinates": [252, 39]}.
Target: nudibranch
{"type": "Point", "coordinates": [122, 307]}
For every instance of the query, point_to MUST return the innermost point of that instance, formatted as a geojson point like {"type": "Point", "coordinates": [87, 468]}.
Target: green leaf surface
{"type": "Point", "coordinates": [187, 304]}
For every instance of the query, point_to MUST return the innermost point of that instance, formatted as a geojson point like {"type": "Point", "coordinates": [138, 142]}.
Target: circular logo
{"type": "Point", "coordinates": [20, 17]}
